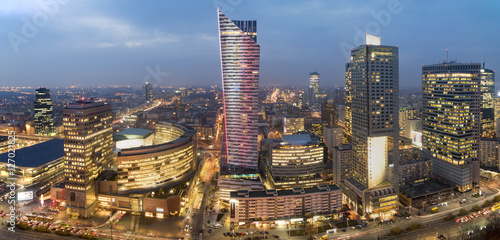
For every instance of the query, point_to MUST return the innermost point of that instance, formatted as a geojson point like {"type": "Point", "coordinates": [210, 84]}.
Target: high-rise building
{"type": "Point", "coordinates": [44, 112]}
{"type": "Point", "coordinates": [88, 148]}
{"type": "Point", "coordinates": [451, 121]}
{"type": "Point", "coordinates": [373, 80]}
{"type": "Point", "coordinates": [148, 92]}
{"type": "Point", "coordinates": [332, 136]}
{"type": "Point", "coordinates": [487, 103]}
{"type": "Point", "coordinates": [313, 89]}
{"type": "Point", "coordinates": [342, 155]}
{"type": "Point", "coordinates": [406, 114]}
{"type": "Point", "coordinates": [328, 113]}
{"type": "Point", "coordinates": [292, 125]}
{"type": "Point", "coordinates": [348, 102]}
{"type": "Point", "coordinates": [240, 56]}
{"type": "Point", "coordinates": [489, 154]}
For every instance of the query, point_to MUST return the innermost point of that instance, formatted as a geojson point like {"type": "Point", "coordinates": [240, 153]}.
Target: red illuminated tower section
{"type": "Point", "coordinates": [240, 55]}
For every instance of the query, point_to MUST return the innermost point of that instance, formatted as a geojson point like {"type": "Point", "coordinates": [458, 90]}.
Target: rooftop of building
{"type": "Point", "coordinates": [37, 155]}
{"type": "Point", "coordinates": [132, 133]}
{"type": "Point", "coordinates": [490, 140]}
{"type": "Point", "coordinates": [84, 103]}
{"type": "Point", "coordinates": [424, 188]}
{"type": "Point", "coordinates": [288, 192]}
{"type": "Point", "coordinates": [302, 138]}
{"type": "Point", "coordinates": [344, 147]}
{"type": "Point", "coordinates": [186, 137]}
{"type": "Point", "coordinates": [412, 155]}
{"type": "Point", "coordinates": [226, 169]}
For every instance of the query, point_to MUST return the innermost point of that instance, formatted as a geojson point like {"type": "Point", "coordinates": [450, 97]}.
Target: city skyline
{"type": "Point", "coordinates": [134, 130]}
{"type": "Point", "coordinates": [122, 45]}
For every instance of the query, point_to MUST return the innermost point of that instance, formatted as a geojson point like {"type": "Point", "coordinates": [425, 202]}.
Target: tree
{"type": "Point", "coordinates": [395, 231]}
{"type": "Point", "coordinates": [475, 208]}
{"type": "Point", "coordinates": [486, 203]}
{"type": "Point", "coordinates": [462, 212]}
{"type": "Point", "coordinates": [413, 226]}
{"type": "Point", "coordinates": [161, 192]}
{"type": "Point", "coordinates": [449, 217]}
{"type": "Point", "coordinates": [497, 198]}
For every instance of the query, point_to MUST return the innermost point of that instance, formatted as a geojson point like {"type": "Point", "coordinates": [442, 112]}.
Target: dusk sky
{"type": "Point", "coordinates": [93, 43]}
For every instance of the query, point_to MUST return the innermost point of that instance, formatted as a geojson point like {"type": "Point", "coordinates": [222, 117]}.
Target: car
{"type": "Point", "coordinates": [225, 234]}
{"type": "Point", "coordinates": [209, 230]}
{"type": "Point", "coordinates": [344, 230]}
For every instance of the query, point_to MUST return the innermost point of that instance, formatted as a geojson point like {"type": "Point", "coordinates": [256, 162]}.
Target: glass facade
{"type": "Point", "coordinates": [372, 126]}
{"type": "Point", "coordinates": [313, 88]}
{"type": "Point", "coordinates": [487, 103]}
{"type": "Point", "coordinates": [373, 82]}
{"type": "Point", "coordinates": [451, 121]}
{"type": "Point", "coordinates": [240, 56]}
{"type": "Point", "coordinates": [88, 146]}
{"type": "Point", "coordinates": [44, 112]}
{"type": "Point", "coordinates": [148, 92]}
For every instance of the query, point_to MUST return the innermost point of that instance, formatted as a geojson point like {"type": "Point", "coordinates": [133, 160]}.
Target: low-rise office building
{"type": "Point", "coordinates": [247, 206]}
{"type": "Point", "coordinates": [293, 161]}
{"type": "Point", "coordinates": [36, 167]}
{"type": "Point", "coordinates": [233, 179]}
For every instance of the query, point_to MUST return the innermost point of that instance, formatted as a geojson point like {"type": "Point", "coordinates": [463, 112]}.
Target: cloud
{"type": "Point", "coordinates": [105, 32]}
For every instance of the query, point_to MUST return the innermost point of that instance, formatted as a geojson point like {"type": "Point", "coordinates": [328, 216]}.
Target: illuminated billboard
{"type": "Point", "coordinates": [24, 196]}
{"type": "Point", "coordinates": [416, 138]}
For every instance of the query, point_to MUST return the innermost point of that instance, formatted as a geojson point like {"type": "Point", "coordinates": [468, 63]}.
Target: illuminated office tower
{"type": "Point", "coordinates": [240, 55]}
{"type": "Point", "coordinates": [44, 112]}
{"type": "Point", "coordinates": [328, 112]}
{"type": "Point", "coordinates": [313, 90]}
{"type": "Point", "coordinates": [373, 76]}
{"type": "Point", "coordinates": [148, 92]}
{"type": "Point", "coordinates": [88, 146]}
{"type": "Point", "coordinates": [451, 121]}
{"type": "Point", "coordinates": [487, 103]}
{"type": "Point", "coordinates": [347, 108]}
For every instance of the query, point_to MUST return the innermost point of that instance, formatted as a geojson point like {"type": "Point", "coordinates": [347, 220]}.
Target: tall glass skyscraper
{"type": "Point", "coordinates": [487, 103]}
{"type": "Point", "coordinates": [372, 78]}
{"type": "Point", "coordinates": [44, 112]}
{"type": "Point", "coordinates": [240, 56]}
{"type": "Point", "coordinates": [313, 89]}
{"type": "Point", "coordinates": [451, 121]}
{"type": "Point", "coordinates": [148, 92]}
{"type": "Point", "coordinates": [88, 149]}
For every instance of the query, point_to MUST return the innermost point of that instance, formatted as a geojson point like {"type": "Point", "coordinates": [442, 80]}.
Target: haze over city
{"type": "Point", "coordinates": [92, 43]}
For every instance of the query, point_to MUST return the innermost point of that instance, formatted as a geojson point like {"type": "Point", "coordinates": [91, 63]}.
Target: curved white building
{"type": "Point", "coordinates": [170, 159]}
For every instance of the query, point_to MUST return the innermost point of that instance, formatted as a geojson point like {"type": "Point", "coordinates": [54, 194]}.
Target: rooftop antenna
{"type": "Point", "coordinates": [447, 55]}
{"type": "Point", "coordinates": [484, 59]}
{"type": "Point", "coordinates": [316, 69]}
